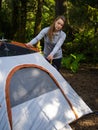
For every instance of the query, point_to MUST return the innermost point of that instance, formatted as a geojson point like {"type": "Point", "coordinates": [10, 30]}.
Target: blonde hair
{"type": "Point", "coordinates": [52, 27]}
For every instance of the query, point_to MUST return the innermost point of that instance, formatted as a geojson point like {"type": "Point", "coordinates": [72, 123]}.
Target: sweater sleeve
{"type": "Point", "coordinates": [59, 44]}
{"type": "Point", "coordinates": [39, 36]}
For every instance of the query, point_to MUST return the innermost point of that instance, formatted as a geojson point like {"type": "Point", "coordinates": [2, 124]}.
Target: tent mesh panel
{"type": "Point", "coordinates": [28, 83]}
{"type": "Point", "coordinates": [7, 49]}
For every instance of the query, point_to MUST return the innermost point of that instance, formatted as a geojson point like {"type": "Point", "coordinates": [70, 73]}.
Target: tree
{"type": "Point", "coordinates": [15, 18]}
{"type": "Point", "coordinates": [0, 13]}
{"type": "Point", "coordinates": [19, 15]}
{"type": "Point", "coordinates": [38, 18]}
{"type": "Point", "coordinates": [59, 7]}
{"type": "Point", "coordinates": [23, 17]}
{"type": "Point", "coordinates": [0, 4]}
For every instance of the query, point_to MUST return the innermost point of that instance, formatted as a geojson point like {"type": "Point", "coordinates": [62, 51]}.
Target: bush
{"type": "Point", "coordinates": [72, 61]}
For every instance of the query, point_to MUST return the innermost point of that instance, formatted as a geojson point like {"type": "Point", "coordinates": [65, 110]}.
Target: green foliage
{"type": "Point", "coordinates": [72, 62]}
{"type": "Point", "coordinates": [30, 26]}
{"type": "Point", "coordinates": [48, 12]}
{"type": "Point", "coordinates": [85, 42]}
{"type": "Point", "coordinates": [93, 3]}
{"type": "Point", "coordinates": [5, 20]}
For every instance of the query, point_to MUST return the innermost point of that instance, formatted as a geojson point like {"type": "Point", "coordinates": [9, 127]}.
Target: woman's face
{"type": "Point", "coordinates": [59, 24]}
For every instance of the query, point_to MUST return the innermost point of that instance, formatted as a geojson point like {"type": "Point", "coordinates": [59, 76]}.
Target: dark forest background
{"type": "Point", "coordinates": [21, 20]}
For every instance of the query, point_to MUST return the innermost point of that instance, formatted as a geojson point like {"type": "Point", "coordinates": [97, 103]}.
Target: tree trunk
{"type": "Point", "coordinates": [0, 14]}
{"type": "Point", "coordinates": [23, 17]}
{"type": "Point", "coordinates": [59, 7]}
{"type": "Point", "coordinates": [19, 19]}
{"type": "Point", "coordinates": [37, 27]}
{"type": "Point", "coordinates": [0, 4]}
{"type": "Point", "coordinates": [38, 19]}
{"type": "Point", "coordinates": [15, 18]}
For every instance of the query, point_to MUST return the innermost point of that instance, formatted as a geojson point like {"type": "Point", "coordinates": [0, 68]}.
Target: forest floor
{"type": "Point", "coordinates": [85, 83]}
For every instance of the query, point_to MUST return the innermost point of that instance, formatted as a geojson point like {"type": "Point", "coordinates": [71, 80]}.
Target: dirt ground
{"type": "Point", "coordinates": [85, 83]}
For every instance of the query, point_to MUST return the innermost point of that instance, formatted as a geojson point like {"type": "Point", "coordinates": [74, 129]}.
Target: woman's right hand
{"type": "Point", "coordinates": [29, 45]}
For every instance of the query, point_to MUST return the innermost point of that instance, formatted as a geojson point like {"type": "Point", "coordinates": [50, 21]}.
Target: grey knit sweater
{"type": "Point", "coordinates": [51, 47]}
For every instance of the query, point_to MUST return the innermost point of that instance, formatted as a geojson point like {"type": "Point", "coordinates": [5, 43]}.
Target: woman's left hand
{"type": "Point", "coordinates": [0, 43]}
{"type": "Point", "coordinates": [50, 57]}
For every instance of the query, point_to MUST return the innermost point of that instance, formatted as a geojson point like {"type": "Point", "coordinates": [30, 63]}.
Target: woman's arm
{"type": "Point", "coordinates": [38, 37]}
{"type": "Point", "coordinates": [59, 44]}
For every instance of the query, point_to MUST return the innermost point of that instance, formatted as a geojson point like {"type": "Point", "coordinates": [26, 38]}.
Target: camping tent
{"type": "Point", "coordinates": [33, 94]}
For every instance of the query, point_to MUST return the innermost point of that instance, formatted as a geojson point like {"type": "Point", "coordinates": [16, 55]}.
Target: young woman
{"type": "Point", "coordinates": [53, 39]}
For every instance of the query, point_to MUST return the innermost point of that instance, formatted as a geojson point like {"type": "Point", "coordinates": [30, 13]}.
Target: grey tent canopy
{"type": "Point", "coordinates": [33, 94]}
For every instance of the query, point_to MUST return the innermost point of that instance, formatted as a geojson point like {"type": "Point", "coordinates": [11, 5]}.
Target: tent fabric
{"type": "Point", "coordinates": [34, 95]}
{"type": "Point", "coordinates": [46, 112]}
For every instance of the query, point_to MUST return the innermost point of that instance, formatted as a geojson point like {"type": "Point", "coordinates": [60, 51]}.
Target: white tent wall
{"type": "Point", "coordinates": [4, 122]}
{"type": "Point", "coordinates": [67, 103]}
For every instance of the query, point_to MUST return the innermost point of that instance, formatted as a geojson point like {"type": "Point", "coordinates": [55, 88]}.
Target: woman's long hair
{"type": "Point", "coordinates": [52, 27]}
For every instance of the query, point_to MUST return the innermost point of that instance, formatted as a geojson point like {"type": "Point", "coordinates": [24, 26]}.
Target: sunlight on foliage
{"type": "Point", "coordinates": [72, 62]}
